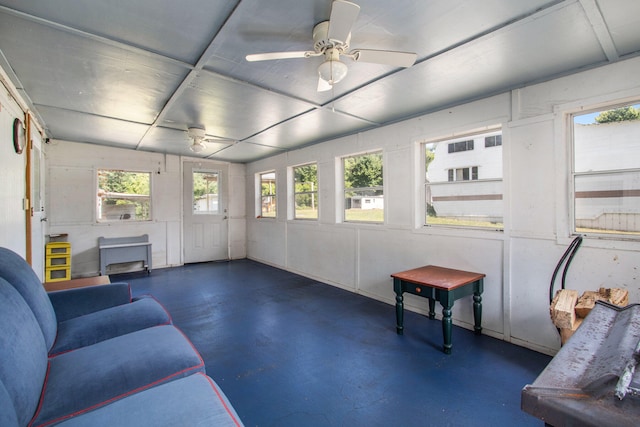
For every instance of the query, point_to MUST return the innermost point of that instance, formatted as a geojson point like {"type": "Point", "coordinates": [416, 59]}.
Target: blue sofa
{"type": "Point", "coordinates": [96, 357]}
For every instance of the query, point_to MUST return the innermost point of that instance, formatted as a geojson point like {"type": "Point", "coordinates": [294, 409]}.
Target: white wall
{"type": "Point", "coordinates": [71, 177]}
{"type": "Point", "coordinates": [518, 262]}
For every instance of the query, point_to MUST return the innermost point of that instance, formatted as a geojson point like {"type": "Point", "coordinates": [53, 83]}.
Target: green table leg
{"type": "Point", "coordinates": [397, 287]}
{"type": "Point", "coordinates": [432, 308]}
{"type": "Point", "coordinates": [446, 328]}
{"type": "Point", "coordinates": [477, 313]}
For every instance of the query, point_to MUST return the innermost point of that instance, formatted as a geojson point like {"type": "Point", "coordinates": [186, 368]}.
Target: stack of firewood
{"type": "Point", "coordinates": [568, 311]}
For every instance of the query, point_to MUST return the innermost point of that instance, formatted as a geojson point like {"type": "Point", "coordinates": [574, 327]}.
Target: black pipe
{"type": "Point", "coordinates": [570, 252]}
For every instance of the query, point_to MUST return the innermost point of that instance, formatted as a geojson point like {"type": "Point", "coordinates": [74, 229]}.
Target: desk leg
{"type": "Point", "coordinates": [397, 287]}
{"type": "Point", "coordinates": [446, 328]}
{"type": "Point", "coordinates": [477, 313]}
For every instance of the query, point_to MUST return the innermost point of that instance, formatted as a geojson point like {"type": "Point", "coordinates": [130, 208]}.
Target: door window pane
{"type": "Point", "coordinates": [206, 195]}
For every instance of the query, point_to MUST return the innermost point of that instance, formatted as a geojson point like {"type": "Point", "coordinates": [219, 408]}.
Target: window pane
{"type": "Point", "coordinates": [306, 191]}
{"type": "Point", "coordinates": [205, 192]}
{"type": "Point", "coordinates": [123, 196]}
{"type": "Point", "coordinates": [268, 194]}
{"type": "Point", "coordinates": [364, 198]}
{"type": "Point", "coordinates": [457, 194]}
{"type": "Point", "coordinates": [607, 171]}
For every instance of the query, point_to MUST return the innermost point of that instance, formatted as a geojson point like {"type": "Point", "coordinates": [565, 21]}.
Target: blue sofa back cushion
{"type": "Point", "coordinates": [105, 324]}
{"type": "Point", "coordinates": [21, 276]}
{"type": "Point", "coordinates": [23, 354]}
{"type": "Point", "coordinates": [90, 377]}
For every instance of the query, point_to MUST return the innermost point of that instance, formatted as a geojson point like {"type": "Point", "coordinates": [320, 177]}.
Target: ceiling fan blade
{"type": "Point", "coordinates": [278, 55]}
{"type": "Point", "coordinates": [388, 57]}
{"type": "Point", "coordinates": [343, 16]}
{"type": "Point", "coordinates": [221, 140]}
{"type": "Point", "coordinates": [323, 85]}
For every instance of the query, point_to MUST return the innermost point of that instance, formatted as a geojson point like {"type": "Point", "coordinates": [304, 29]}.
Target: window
{"type": "Point", "coordinates": [493, 141]}
{"type": "Point", "coordinates": [268, 195]}
{"type": "Point", "coordinates": [606, 171]}
{"type": "Point", "coordinates": [457, 194]}
{"type": "Point", "coordinates": [305, 191]}
{"type": "Point", "coordinates": [455, 147]}
{"type": "Point", "coordinates": [363, 190]}
{"type": "Point", "coordinates": [463, 174]}
{"type": "Point", "coordinates": [123, 196]}
{"type": "Point", "coordinates": [206, 197]}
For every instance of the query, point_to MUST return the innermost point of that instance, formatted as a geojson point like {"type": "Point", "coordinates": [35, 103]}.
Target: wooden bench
{"type": "Point", "coordinates": [117, 250]}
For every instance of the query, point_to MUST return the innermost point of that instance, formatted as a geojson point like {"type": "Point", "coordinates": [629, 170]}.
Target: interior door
{"type": "Point", "coordinates": [205, 225]}
{"type": "Point", "coordinates": [37, 204]}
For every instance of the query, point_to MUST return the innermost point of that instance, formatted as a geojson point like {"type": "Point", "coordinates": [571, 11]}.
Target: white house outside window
{"type": "Point", "coordinates": [606, 172]}
{"type": "Point", "coordinates": [463, 181]}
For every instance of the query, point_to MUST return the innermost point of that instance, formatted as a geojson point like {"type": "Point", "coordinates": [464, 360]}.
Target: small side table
{"type": "Point", "coordinates": [444, 285]}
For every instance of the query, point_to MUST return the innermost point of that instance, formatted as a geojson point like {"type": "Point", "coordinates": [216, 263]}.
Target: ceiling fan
{"type": "Point", "coordinates": [331, 39]}
{"type": "Point", "coordinates": [198, 136]}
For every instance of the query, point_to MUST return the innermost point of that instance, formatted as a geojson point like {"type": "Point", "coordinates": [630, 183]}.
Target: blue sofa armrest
{"type": "Point", "coordinates": [72, 303]}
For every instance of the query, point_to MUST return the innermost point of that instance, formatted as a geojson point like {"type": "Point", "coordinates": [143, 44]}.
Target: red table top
{"type": "Point", "coordinates": [438, 277]}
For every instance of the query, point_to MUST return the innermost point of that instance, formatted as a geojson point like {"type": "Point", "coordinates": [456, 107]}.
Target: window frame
{"type": "Point", "coordinates": [345, 189]}
{"type": "Point", "coordinates": [294, 193]}
{"type": "Point", "coordinates": [570, 115]}
{"type": "Point", "coordinates": [427, 207]}
{"type": "Point", "coordinates": [99, 203]}
{"type": "Point", "coordinates": [260, 196]}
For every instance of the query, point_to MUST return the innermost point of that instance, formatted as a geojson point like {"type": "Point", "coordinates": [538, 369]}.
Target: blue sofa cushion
{"type": "Point", "coordinates": [90, 377]}
{"type": "Point", "coordinates": [194, 401]}
{"type": "Point", "coordinates": [105, 324]}
{"type": "Point", "coordinates": [21, 276]}
{"type": "Point", "coordinates": [76, 302]}
{"type": "Point", "coordinates": [23, 355]}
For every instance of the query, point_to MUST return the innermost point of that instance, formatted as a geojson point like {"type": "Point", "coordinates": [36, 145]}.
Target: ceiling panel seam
{"type": "Point", "coordinates": [53, 107]}
{"type": "Point", "coordinates": [594, 15]}
{"type": "Point", "coordinates": [193, 73]}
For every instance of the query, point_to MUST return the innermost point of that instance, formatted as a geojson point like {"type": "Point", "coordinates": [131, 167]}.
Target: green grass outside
{"type": "Point", "coordinates": [364, 215]}
{"type": "Point", "coordinates": [434, 220]}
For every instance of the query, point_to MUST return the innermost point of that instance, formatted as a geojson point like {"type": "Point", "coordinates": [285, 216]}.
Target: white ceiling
{"type": "Point", "coordinates": [137, 73]}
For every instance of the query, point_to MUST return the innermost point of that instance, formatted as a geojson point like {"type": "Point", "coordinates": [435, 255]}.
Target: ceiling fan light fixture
{"type": "Point", "coordinates": [197, 146]}
{"type": "Point", "coordinates": [332, 71]}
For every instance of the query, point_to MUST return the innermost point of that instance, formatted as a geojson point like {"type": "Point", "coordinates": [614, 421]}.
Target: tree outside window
{"type": "Point", "coordinates": [123, 196]}
{"type": "Point", "coordinates": [363, 188]}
